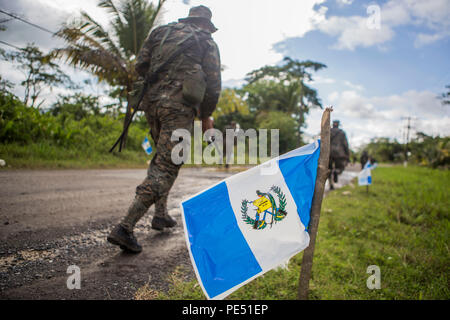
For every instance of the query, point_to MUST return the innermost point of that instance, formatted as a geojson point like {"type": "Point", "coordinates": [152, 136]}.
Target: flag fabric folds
{"type": "Point", "coordinates": [251, 222]}
{"type": "Point", "coordinates": [365, 177]}
{"type": "Point", "coordinates": [147, 146]}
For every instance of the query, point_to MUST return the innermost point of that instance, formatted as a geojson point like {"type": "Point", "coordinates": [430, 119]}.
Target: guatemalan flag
{"type": "Point", "coordinates": [365, 176]}
{"type": "Point", "coordinates": [147, 146]}
{"type": "Point", "coordinates": [251, 222]}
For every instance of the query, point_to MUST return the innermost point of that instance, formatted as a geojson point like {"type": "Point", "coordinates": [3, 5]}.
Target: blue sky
{"type": "Point", "coordinates": [379, 70]}
{"type": "Point", "coordinates": [398, 65]}
{"type": "Point", "coordinates": [374, 83]}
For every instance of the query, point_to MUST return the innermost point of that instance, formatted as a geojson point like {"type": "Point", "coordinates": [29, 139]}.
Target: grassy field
{"type": "Point", "coordinates": [46, 156]}
{"type": "Point", "coordinates": [402, 226]}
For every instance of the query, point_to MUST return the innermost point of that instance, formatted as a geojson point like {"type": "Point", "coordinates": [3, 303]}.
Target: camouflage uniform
{"type": "Point", "coordinates": [339, 153]}
{"type": "Point", "coordinates": [228, 153]}
{"type": "Point", "coordinates": [364, 158]}
{"type": "Point", "coordinates": [166, 109]}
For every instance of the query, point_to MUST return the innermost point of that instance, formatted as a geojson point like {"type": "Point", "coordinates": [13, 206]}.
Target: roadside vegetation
{"type": "Point", "coordinates": [401, 225]}
{"type": "Point", "coordinates": [423, 150]}
{"type": "Point", "coordinates": [73, 134]}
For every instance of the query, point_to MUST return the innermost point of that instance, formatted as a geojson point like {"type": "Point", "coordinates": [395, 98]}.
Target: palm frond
{"type": "Point", "coordinates": [111, 8]}
{"type": "Point", "coordinates": [99, 32]}
{"type": "Point", "coordinates": [109, 55]}
{"type": "Point", "coordinates": [139, 18]}
{"type": "Point", "coordinates": [99, 62]}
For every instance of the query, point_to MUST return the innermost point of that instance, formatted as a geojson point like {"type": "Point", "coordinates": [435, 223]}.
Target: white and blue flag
{"type": "Point", "coordinates": [370, 165]}
{"type": "Point", "coordinates": [251, 222]}
{"type": "Point", "coordinates": [365, 177]}
{"type": "Point", "coordinates": [147, 146]}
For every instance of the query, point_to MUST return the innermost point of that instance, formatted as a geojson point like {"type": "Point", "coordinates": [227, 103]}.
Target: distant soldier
{"type": "Point", "coordinates": [339, 153]}
{"type": "Point", "coordinates": [364, 158]}
{"type": "Point", "coordinates": [186, 87]}
{"type": "Point", "coordinates": [228, 153]}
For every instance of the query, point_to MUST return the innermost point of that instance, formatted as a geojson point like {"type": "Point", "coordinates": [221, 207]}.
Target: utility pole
{"type": "Point", "coordinates": [408, 127]}
{"type": "Point", "coordinates": [407, 136]}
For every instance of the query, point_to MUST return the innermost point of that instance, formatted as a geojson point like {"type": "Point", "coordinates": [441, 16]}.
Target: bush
{"type": "Point", "coordinates": [65, 126]}
{"type": "Point", "coordinates": [289, 138]}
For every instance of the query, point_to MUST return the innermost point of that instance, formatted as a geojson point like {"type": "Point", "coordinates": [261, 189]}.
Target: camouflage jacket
{"type": "Point", "coordinates": [339, 144]}
{"type": "Point", "coordinates": [203, 55]}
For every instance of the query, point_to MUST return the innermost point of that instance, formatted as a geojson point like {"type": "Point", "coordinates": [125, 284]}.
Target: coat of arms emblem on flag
{"type": "Point", "coordinates": [251, 222]}
{"type": "Point", "coordinates": [267, 210]}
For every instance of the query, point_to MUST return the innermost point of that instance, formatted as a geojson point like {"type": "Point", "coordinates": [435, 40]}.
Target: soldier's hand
{"type": "Point", "coordinates": [207, 123]}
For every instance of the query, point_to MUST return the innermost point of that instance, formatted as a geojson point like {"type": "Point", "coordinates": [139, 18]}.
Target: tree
{"type": "Point", "coordinates": [385, 150]}
{"type": "Point", "coordinates": [230, 102]}
{"type": "Point", "coordinates": [283, 88]}
{"type": "Point", "coordinates": [78, 106]}
{"type": "Point", "coordinates": [5, 85]}
{"type": "Point", "coordinates": [110, 55]}
{"type": "Point", "coordinates": [445, 97]}
{"type": "Point", "coordinates": [286, 125]}
{"type": "Point", "coordinates": [232, 107]}
{"type": "Point", "coordinates": [431, 151]}
{"type": "Point", "coordinates": [39, 71]}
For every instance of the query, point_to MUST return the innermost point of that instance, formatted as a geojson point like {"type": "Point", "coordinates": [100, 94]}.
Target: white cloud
{"type": "Point", "coordinates": [354, 86]}
{"type": "Point", "coordinates": [248, 29]}
{"type": "Point", "coordinates": [366, 117]}
{"type": "Point", "coordinates": [352, 32]}
{"type": "Point", "coordinates": [333, 97]}
{"type": "Point", "coordinates": [344, 2]}
{"type": "Point", "coordinates": [321, 80]}
{"type": "Point", "coordinates": [424, 39]}
{"type": "Point", "coordinates": [49, 14]}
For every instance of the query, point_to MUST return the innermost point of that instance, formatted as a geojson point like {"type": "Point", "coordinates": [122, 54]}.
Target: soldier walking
{"type": "Point", "coordinates": [364, 158]}
{"type": "Point", "coordinates": [228, 153]}
{"type": "Point", "coordinates": [187, 87]}
{"type": "Point", "coordinates": [340, 153]}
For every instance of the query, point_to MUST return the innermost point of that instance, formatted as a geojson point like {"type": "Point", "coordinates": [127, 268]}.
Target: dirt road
{"type": "Point", "coordinates": [50, 220]}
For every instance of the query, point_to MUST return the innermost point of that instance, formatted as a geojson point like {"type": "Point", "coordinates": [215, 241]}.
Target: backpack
{"type": "Point", "coordinates": [194, 86]}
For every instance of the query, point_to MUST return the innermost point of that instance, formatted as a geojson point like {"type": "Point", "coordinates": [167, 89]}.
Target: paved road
{"type": "Point", "coordinates": [52, 219]}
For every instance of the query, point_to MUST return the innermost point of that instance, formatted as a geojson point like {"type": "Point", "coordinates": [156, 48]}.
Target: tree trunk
{"type": "Point", "coordinates": [322, 174]}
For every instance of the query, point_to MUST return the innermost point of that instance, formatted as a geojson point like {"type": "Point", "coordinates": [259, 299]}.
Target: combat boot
{"type": "Point", "coordinates": [159, 223]}
{"type": "Point", "coordinates": [120, 236]}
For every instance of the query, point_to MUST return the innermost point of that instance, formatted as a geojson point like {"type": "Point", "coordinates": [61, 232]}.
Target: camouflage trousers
{"type": "Point", "coordinates": [164, 116]}
{"type": "Point", "coordinates": [338, 164]}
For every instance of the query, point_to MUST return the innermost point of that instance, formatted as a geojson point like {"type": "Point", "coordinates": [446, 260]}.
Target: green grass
{"type": "Point", "coordinates": [402, 226]}
{"type": "Point", "coordinates": [45, 155]}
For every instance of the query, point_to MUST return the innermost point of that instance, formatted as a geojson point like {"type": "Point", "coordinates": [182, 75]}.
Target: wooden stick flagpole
{"type": "Point", "coordinates": [322, 174]}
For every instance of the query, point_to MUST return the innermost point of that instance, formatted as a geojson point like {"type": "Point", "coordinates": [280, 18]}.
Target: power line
{"type": "Point", "coordinates": [11, 45]}
{"type": "Point", "coordinates": [25, 21]}
{"type": "Point", "coordinates": [5, 20]}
